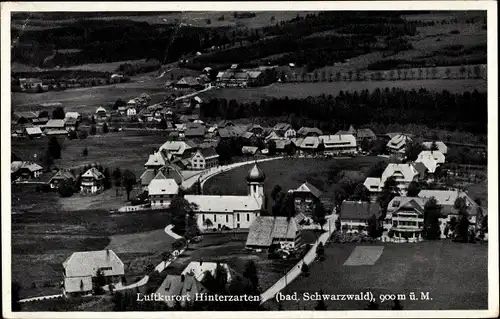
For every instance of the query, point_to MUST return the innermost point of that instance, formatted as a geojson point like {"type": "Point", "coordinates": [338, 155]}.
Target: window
{"type": "Point", "coordinates": [105, 268]}
{"type": "Point", "coordinates": [215, 218]}
{"type": "Point", "coordinates": [161, 202]}
{"type": "Point", "coordinates": [227, 218]}
{"type": "Point", "coordinates": [238, 217]}
{"type": "Point", "coordinates": [248, 217]}
{"type": "Point", "coordinates": [203, 217]}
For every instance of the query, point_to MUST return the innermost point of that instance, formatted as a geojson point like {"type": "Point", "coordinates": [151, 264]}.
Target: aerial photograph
{"type": "Point", "coordinates": [248, 161]}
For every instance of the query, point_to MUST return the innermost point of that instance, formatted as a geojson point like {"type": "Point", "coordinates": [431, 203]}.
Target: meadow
{"type": "Point", "coordinates": [444, 269]}
{"type": "Point", "coordinates": [288, 173]}
{"type": "Point", "coordinates": [125, 150]}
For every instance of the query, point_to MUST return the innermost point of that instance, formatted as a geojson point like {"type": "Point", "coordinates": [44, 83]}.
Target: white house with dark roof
{"type": "Point", "coordinates": [92, 181]}
{"type": "Point", "coordinates": [398, 143]}
{"type": "Point", "coordinates": [204, 158]}
{"type": "Point", "coordinates": [80, 271]}
{"type": "Point", "coordinates": [25, 170]}
{"type": "Point", "coordinates": [217, 211]}
{"type": "Point", "coordinates": [405, 218]}
{"type": "Point", "coordinates": [339, 144]}
{"type": "Point", "coordinates": [161, 191]}
{"type": "Point", "coordinates": [272, 230]}
{"type": "Point", "coordinates": [403, 174]}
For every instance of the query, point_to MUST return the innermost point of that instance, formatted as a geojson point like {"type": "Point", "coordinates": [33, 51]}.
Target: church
{"type": "Point", "coordinates": [218, 211]}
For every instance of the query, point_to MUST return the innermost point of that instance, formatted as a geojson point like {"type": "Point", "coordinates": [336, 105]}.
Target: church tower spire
{"type": "Point", "coordinates": [255, 181]}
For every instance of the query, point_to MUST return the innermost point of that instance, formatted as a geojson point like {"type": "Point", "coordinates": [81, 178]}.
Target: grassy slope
{"type": "Point", "coordinates": [444, 269]}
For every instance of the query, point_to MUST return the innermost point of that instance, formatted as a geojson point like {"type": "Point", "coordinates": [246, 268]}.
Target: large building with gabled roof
{"type": "Point", "coordinates": [92, 181]}
{"type": "Point", "coordinates": [220, 211]}
{"type": "Point", "coordinates": [272, 230]}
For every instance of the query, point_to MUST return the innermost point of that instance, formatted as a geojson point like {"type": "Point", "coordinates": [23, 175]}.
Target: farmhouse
{"type": "Point", "coordinates": [194, 130]}
{"type": "Point", "coordinates": [156, 161]}
{"type": "Point", "coordinates": [281, 128]}
{"type": "Point", "coordinates": [40, 121]}
{"type": "Point", "coordinates": [198, 269]}
{"type": "Point", "coordinates": [403, 174]}
{"type": "Point", "coordinates": [131, 111]}
{"type": "Point", "coordinates": [271, 230]}
{"type": "Point", "coordinates": [354, 215]}
{"type": "Point", "coordinates": [205, 158]}
{"type": "Point", "coordinates": [176, 286]}
{"type": "Point", "coordinates": [25, 170]}
{"type": "Point", "coordinates": [236, 77]}
{"type": "Point", "coordinates": [73, 115]}
{"type": "Point", "coordinates": [92, 181]}
{"type": "Point", "coordinates": [310, 144]}
{"type": "Point", "coordinates": [189, 82]}
{"type": "Point", "coordinates": [365, 134]}
{"type": "Point", "coordinates": [309, 131]}
{"type": "Point", "coordinates": [162, 190]}
{"type": "Point", "coordinates": [80, 271]}
{"type": "Point", "coordinates": [24, 117]}
{"type": "Point", "coordinates": [446, 199]}
{"type": "Point", "coordinates": [339, 144]}
{"type": "Point", "coordinates": [33, 132]}
{"type": "Point", "coordinates": [273, 136]}
{"type": "Point", "coordinates": [398, 143]}
{"type": "Point", "coordinates": [30, 84]}
{"type": "Point", "coordinates": [281, 145]}
{"type": "Point", "coordinates": [231, 211]}
{"type": "Point", "coordinates": [61, 177]}
{"type": "Point", "coordinates": [55, 127]}
{"type": "Point", "coordinates": [305, 197]}
{"type": "Point", "coordinates": [176, 148]}
{"type": "Point", "coordinates": [440, 146]}
{"type": "Point", "coordinates": [405, 218]}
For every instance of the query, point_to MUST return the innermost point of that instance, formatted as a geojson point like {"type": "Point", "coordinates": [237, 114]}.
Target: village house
{"type": "Point", "coordinates": [156, 161]}
{"type": "Point", "coordinates": [266, 231]}
{"type": "Point", "coordinates": [236, 77]}
{"type": "Point", "coordinates": [290, 133]}
{"type": "Point", "coordinates": [273, 136]}
{"type": "Point", "coordinates": [405, 219]}
{"type": "Point", "coordinates": [162, 190]}
{"type": "Point", "coordinates": [131, 111]}
{"type": "Point", "coordinates": [189, 83]}
{"type": "Point", "coordinates": [256, 129]}
{"type": "Point", "coordinates": [354, 215]}
{"type": "Point", "coordinates": [403, 175]}
{"type": "Point", "coordinates": [431, 159]}
{"type": "Point", "coordinates": [73, 115]}
{"type": "Point", "coordinates": [24, 117]}
{"type": "Point", "coordinates": [198, 269]}
{"type": "Point", "coordinates": [281, 146]}
{"type": "Point", "coordinates": [122, 109]}
{"type": "Point", "coordinates": [309, 131]}
{"type": "Point", "coordinates": [281, 128]}
{"type": "Point", "coordinates": [439, 145]}
{"type": "Point", "coordinates": [80, 271]}
{"type": "Point", "coordinates": [92, 181]}
{"type": "Point", "coordinates": [446, 199]}
{"type": "Point", "coordinates": [55, 127]}
{"type": "Point", "coordinates": [180, 285]}
{"type": "Point", "coordinates": [310, 145]}
{"type": "Point", "coordinates": [339, 144]}
{"type": "Point", "coordinates": [25, 170]}
{"type": "Point", "coordinates": [62, 176]}
{"type": "Point", "coordinates": [194, 130]}
{"type": "Point", "coordinates": [365, 134]}
{"type": "Point", "coordinates": [101, 112]}
{"type": "Point", "coordinates": [305, 197]}
{"type": "Point", "coordinates": [249, 150]}
{"type": "Point", "coordinates": [70, 124]}
{"type": "Point", "coordinates": [205, 158]}
{"type": "Point", "coordinates": [40, 121]}
{"type": "Point", "coordinates": [215, 212]}
{"type": "Point", "coordinates": [398, 143]}
{"type": "Point", "coordinates": [169, 171]}
{"type": "Point", "coordinates": [33, 132]}
{"type": "Point", "coordinates": [176, 148]}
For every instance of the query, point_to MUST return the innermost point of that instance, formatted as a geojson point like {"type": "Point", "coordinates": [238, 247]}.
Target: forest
{"type": "Point", "coordinates": [441, 110]}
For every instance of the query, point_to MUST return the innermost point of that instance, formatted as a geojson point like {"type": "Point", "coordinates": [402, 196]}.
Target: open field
{"type": "Point", "coordinates": [445, 269]}
{"type": "Point", "coordinates": [126, 149]}
{"type": "Point", "coordinates": [303, 90]}
{"type": "Point", "coordinates": [288, 173]}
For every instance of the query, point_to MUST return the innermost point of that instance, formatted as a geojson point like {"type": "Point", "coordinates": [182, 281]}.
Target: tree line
{"type": "Point", "coordinates": [443, 110]}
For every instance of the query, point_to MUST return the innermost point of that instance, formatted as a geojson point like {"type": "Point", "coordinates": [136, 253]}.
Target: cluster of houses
{"type": "Point", "coordinates": [238, 77]}
{"type": "Point", "coordinates": [38, 124]}
{"type": "Point", "coordinates": [37, 85]}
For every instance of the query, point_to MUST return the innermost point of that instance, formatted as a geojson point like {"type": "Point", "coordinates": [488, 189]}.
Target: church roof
{"type": "Point", "coordinates": [223, 204]}
{"type": "Point", "coordinates": [256, 174]}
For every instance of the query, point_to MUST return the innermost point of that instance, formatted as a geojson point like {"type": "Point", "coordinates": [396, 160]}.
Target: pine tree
{"type": "Point", "coordinates": [251, 274]}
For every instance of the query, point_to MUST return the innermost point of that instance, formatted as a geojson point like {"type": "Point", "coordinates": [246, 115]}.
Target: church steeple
{"type": "Point", "coordinates": [255, 180]}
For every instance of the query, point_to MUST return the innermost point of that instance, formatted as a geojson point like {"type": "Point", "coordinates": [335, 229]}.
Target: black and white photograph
{"type": "Point", "coordinates": [249, 157]}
